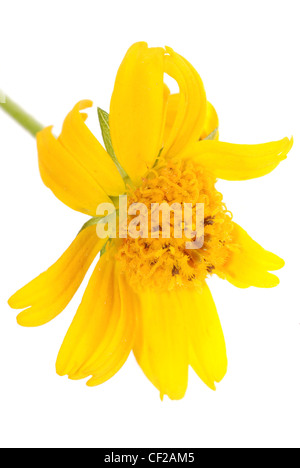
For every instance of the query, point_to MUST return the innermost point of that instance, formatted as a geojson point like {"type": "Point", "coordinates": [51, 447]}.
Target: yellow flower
{"type": "Point", "coordinates": [148, 295]}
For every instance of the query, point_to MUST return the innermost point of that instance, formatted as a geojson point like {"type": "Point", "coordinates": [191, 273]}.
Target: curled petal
{"type": "Point", "coordinates": [191, 104]}
{"type": "Point", "coordinates": [137, 109]}
{"type": "Point", "coordinates": [173, 104]}
{"type": "Point", "coordinates": [76, 167]}
{"type": "Point", "coordinates": [87, 150]}
{"type": "Point", "coordinates": [211, 124]}
{"type": "Point", "coordinates": [71, 183]}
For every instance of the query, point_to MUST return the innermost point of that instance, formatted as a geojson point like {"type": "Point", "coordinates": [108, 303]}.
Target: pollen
{"type": "Point", "coordinates": [152, 260]}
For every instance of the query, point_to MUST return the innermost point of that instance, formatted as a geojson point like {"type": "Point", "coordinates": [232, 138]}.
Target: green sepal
{"type": "Point", "coordinates": [91, 222]}
{"type": "Point", "coordinates": [105, 130]}
{"type": "Point", "coordinates": [212, 135]}
{"type": "Point", "coordinates": [103, 117]}
{"type": "Point", "coordinates": [95, 220]}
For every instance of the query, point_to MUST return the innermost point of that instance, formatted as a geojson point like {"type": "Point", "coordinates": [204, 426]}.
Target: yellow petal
{"type": "Point", "coordinates": [161, 346]}
{"type": "Point", "coordinates": [71, 182]}
{"type": "Point", "coordinates": [137, 109]}
{"type": "Point", "coordinates": [238, 162]}
{"type": "Point", "coordinates": [88, 152]}
{"type": "Point", "coordinates": [211, 123]}
{"type": "Point", "coordinates": [101, 335]}
{"type": "Point", "coordinates": [166, 99]}
{"type": "Point", "coordinates": [47, 295]}
{"type": "Point", "coordinates": [172, 110]}
{"type": "Point", "coordinates": [207, 349]}
{"type": "Point", "coordinates": [190, 118]}
{"type": "Point", "coordinates": [249, 264]}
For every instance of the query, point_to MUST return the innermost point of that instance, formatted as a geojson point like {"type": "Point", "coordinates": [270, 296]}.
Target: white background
{"type": "Point", "coordinates": [52, 55]}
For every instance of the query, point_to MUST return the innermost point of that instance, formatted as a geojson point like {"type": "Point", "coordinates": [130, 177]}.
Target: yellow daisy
{"type": "Point", "coordinates": [148, 295]}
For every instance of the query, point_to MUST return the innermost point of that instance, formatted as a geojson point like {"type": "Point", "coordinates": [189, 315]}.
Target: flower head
{"type": "Point", "coordinates": [148, 292]}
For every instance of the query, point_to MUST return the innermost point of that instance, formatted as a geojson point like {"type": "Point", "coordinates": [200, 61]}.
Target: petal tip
{"type": "Point", "coordinates": [59, 370]}
{"type": "Point", "coordinates": [12, 303]}
{"type": "Point", "coordinates": [21, 320]}
{"type": "Point", "coordinates": [280, 263]}
{"type": "Point", "coordinates": [84, 104]}
{"type": "Point", "coordinates": [169, 50]}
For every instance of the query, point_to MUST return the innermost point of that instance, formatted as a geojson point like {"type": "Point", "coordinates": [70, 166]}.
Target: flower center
{"type": "Point", "coordinates": [166, 263]}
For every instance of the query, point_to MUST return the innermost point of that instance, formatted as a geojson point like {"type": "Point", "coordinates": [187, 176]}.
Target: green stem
{"type": "Point", "coordinates": [18, 114]}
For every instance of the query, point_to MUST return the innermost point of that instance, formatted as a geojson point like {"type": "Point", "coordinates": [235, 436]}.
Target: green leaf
{"type": "Point", "coordinates": [212, 135]}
